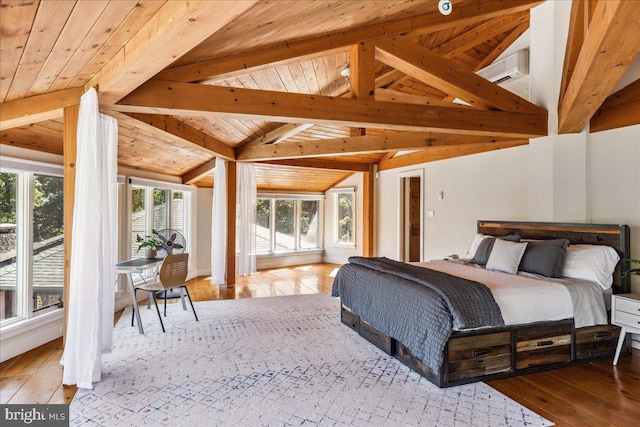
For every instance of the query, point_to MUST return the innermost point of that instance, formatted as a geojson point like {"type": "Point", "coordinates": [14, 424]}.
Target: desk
{"type": "Point", "coordinates": [137, 266]}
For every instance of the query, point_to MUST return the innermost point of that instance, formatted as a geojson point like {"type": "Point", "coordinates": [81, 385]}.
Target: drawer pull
{"type": "Point", "coordinates": [601, 335]}
{"type": "Point", "coordinates": [482, 352]}
{"type": "Point", "coordinates": [544, 343]}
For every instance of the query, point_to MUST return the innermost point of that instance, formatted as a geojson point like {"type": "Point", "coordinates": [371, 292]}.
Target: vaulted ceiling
{"type": "Point", "coordinates": [264, 81]}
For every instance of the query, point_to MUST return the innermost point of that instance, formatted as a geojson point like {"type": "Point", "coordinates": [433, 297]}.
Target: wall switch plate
{"type": "Point", "coordinates": [431, 213]}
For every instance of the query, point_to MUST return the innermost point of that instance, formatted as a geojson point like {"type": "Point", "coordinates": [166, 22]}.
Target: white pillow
{"type": "Point", "coordinates": [595, 263]}
{"type": "Point", "coordinates": [505, 256]}
{"type": "Point", "coordinates": [474, 245]}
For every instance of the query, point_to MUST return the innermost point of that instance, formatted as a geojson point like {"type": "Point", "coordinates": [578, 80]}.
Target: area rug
{"type": "Point", "coordinates": [278, 361]}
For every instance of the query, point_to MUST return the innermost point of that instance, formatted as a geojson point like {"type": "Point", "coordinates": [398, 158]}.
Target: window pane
{"type": "Point", "coordinates": [138, 221]}
{"type": "Point", "coordinates": [160, 209]}
{"type": "Point", "coordinates": [309, 224]}
{"type": "Point", "coordinates": [8, 243]}
{"type": "Point", "coordinates": [345, 218]}
{"type": "Point", "coordinates": [48, 245]}
{"type": "Point", "coordinates": [263, 226]}
{"type": "Point", "coordinates": [285, 225]}
{"type": "Point", "coordinates": [177, 216]}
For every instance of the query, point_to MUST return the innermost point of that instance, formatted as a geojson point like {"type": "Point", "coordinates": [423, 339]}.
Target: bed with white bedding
{"type": "Point", "coordinates": [528, 298]}
{"type": "Point", "coordinates": [547, 321]}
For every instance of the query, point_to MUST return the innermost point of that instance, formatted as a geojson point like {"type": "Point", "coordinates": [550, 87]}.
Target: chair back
{"type": "Point", "coordinates": [174, 270]}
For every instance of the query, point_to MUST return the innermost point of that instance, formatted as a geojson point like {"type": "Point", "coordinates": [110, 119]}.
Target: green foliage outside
{"type": "Point", "coordinates": [345, 215]}
{"type": "Point", "coordinates": [48, 206]}
{"type": "Point", "coordinates": [8, 189]}
{"type": "Point", "coordinates": [263, 212]}
{"type": "Point", "coordinates": [285, 219]}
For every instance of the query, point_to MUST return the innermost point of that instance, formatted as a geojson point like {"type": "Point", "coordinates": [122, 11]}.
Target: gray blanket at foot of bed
{"type": "Point", "coordinates": [417, 306]}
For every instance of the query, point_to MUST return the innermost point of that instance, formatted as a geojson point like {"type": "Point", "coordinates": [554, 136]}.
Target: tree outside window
{"type": "Point", "coordinates": [345, 218]}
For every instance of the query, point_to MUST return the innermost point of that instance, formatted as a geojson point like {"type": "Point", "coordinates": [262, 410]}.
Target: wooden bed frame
{"type": "Point", "coordinates": [513, 350]}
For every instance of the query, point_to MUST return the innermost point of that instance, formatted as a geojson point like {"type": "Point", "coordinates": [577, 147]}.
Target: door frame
{"type": "Point", "coordinates": [416, 173]}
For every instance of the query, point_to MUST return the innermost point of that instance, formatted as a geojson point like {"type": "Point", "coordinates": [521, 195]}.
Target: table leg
{"type": "Point", "coordinates": [136, 309]}
{"type": "Point", "coordinates": [623, 332]}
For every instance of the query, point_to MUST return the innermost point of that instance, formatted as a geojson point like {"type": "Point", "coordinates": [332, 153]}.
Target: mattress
{"type": "Point", "coordinates": [528, 298]}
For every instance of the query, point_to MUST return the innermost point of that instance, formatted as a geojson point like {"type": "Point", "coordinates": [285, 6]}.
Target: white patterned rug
{"type": "Point", "coordinates": [272, 361]}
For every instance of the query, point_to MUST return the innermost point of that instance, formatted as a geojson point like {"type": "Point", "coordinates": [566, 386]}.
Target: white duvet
{"type": "Point", "coordinates": [525, 298]}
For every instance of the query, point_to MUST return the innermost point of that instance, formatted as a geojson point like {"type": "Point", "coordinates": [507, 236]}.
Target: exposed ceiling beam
{"type": "Point", "coordinates": [442, 153]}
{"type": "Point", "coordinates": [355, 145]}
{"type": "Point", "coordinates": [508, 41]}
{"type": "Point", "coordinates": [606, 54]}
{"type": "Point", "coordinates": [274, 55]}
{"type": "Point", "coordinates": [198, 173]}
{"type": "Point", "coordinates": [396, 96]}
{"type": "Point", "coordinates": [322, 164]}
{"type": "Point", "coordinates": [470, 39]}
{"type": "Point", "coordinates": [428, 67]}
{"type": "Point", "coordinates": [186, 133]}
{"type": "Point", "coordinates": [175, 29]}
{"type": "Point", "coordinates": [280, 134]}
{"type": "Point", "coordinates": [575, 38]}
{"type": "Point", "coordinates": [618, 110]}
{"type": "Point", "coordinates": [481, 34]}
{"type": "Point", "coordinates": [173, 98]}
{"type": "Point", "coordinates": [21, 112]}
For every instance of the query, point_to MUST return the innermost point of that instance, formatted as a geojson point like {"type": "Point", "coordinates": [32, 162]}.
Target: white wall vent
{"type": "Point", "coordinates": [510, 68]}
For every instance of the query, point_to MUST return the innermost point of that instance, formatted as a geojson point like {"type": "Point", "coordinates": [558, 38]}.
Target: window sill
{"type": "Point", "coordinates": [344, 245]}
{"type": "Point", "coordinates": [21, 326]}
{"type": "Point", "coordinates": [290, 253]}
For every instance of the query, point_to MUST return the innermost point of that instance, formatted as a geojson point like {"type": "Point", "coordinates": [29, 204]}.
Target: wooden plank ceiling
{"type": "Point", "coordinates": [264, 80]}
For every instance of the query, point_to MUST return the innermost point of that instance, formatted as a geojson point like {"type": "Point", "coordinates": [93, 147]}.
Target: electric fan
{"type": "Point", "coordinates": [172, 242]}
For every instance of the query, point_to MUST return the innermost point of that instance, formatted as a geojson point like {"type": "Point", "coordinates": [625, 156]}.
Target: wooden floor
{"type": "Point", "coordinates": [591, 394]}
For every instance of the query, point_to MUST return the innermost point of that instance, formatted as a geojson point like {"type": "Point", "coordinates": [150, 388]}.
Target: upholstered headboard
{"type": "Point", "coordinates": [616, 236]}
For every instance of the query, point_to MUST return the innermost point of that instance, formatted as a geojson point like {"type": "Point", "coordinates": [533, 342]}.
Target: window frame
{"type": "Point", "coordinates": [336, 192]}
{"type": "Point", "coordinates": [297, 199]}
{"type": "Point", "coordinates": [26, 170]}
{"type": "Point", "coordinates": [149, 186]}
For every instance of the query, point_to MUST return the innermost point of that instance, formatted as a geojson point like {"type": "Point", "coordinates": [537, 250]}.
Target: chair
{"type": "Point", "coordinates": [173, 274]}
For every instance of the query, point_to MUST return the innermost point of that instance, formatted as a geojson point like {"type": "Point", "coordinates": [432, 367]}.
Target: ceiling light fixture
{"type": "Point", "coordinates": [445, 7]}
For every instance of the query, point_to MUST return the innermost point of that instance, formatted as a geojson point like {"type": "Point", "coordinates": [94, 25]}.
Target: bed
{"type": "Point", "coordinates": [456, 323]}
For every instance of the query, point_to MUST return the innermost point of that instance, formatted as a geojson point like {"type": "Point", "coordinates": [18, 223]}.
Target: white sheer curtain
{"type": "Point", "coordinates": [93, 253]}
{"type": "Point", "coordinates": [219, 223]}
{"type": "Point", "coordinates": [246, 219]}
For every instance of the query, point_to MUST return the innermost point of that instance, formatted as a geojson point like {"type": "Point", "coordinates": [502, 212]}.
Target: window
{"type": "Point", "coordinates": [345, 208]}
{"type": "Point", "coordinates": [309, 236]}
{"type": "Point", "coordinates": [167, 210]}
{"type": "Point", "coordinates": [9, 306]}
{"type": "Point", "coordinates": [31, 240]}
{"type": "Point", "coordinates": [287, 224]}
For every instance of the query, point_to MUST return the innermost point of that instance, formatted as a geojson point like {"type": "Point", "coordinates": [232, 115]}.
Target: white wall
{"type": "Point", "coordinates": [332, 252]}
{"type": "Point", "coordinates": [492, 185]}
{"type": "Point", "coordinates": [614, 182]}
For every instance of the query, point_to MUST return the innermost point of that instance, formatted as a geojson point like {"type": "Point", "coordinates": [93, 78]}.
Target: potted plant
{"type": "Point", "coordinates": [150, 244]}
{"type": "Point", "coordinates": [635, 271]}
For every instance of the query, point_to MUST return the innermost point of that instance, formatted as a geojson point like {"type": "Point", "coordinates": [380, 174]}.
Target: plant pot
{"type": "Point", "coordinates": [151, 253]}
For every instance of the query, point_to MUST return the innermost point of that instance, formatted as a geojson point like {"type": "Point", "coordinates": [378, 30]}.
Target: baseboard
{"type": "Point", "coordinates": [335, 260]}
{"type": "Point", "coordinates": [287, 260]}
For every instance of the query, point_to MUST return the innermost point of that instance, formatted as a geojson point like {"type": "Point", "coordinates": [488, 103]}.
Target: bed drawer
{"type": "Point", "coordinates": [377, 338]}
{"type": "Point", "coordinates": [350, 319]}
{"type": "Point", "coordinates": [474, 356]}
{"type": "Point", "coordinates": [544, 345]}
{"type": "Point", "coordinates": [596, 341]}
